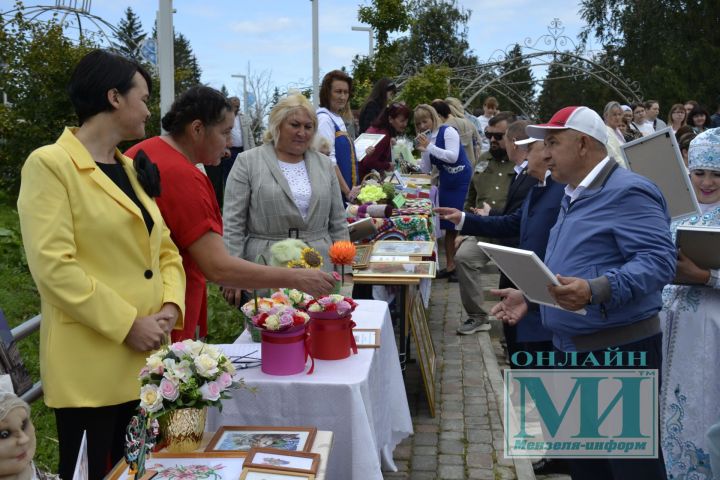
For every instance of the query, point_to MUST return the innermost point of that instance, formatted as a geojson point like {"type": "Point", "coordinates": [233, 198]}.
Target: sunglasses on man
{"type": "Point", "coordinates": [496, 135]}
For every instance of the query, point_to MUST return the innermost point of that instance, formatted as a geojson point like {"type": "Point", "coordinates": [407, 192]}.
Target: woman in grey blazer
{"type": "Point", "coordinates": [284, 185]}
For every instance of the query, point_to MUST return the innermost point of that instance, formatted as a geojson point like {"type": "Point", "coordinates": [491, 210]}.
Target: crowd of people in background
{"type": "Point", "coordinates": [83, 205]}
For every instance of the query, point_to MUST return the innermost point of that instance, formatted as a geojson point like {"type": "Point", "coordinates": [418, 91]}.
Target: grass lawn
{"type": "Point", "coordinates": [20, 301]}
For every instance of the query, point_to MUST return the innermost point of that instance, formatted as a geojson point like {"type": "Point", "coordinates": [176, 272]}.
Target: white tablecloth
{"type": "Point", "coordinates": [361, 399]}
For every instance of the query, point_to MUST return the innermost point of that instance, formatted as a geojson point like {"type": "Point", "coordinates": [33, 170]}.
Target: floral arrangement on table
{"type": "Point", "coordinates": [331, 327]}
{"type": "Point", "coordinates": [333, 303]}
{"type": "Point", "coordinates": [187, 374]}
{"type": "Point", "coordinates": [279, 318]}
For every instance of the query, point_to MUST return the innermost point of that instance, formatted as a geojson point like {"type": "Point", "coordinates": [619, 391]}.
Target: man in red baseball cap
{"type": "Point", "coordinates": [613, 253]}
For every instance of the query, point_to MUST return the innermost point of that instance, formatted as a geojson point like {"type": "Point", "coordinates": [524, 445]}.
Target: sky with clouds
{"type": "Point", "coordinates": [234, 36]}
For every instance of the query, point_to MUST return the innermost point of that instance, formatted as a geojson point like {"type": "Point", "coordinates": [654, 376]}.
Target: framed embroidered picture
{"type": "Point", "coordinates": [242, 439]}
{"type": "Point", "coordinates": [269, 458]}
{"type": "Point", "coordinates": [193, 465]}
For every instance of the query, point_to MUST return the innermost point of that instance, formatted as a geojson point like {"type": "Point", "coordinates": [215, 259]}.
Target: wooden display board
{"type": "Point", "coordinates": [425, 349]}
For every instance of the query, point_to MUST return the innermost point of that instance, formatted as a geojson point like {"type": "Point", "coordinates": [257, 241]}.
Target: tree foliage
{"type": "Point", "coordinates": [36, 62]}
{"type": "Point", "coordinates": [430, 32]}
{"type": "Point", "coordinates": [571, 81]}
{"type": "Point", "coordinates": [515, 87]}
{"type": "Point", "coordinates": [187, 69]}
{"type": "Point", "coordinates": [129, 35]}
{"type": "Point", "coordinates": [665, 45]}
{"type": "Point", "coordinates": [385, 16]}
{"type": "Point", "coordinates": [431, 82]}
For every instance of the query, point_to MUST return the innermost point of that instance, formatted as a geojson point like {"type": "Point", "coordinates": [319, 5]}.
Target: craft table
{"type": "Point", "coordinates": [361, 399]}
{"type": "Point", "coordinates": [322, 445]}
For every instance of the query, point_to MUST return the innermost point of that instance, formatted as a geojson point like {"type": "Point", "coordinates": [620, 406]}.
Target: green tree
{"type": "Point", "coordinates": [224, 90]}
{"type": "Point", "coordinates": [431, 82]}
{"type": "Point", "coordinates": [516, 85]}
{"type": "Point", "coordinates": [385, 16]}
{"type": "Point", "coordinates": [36, 62]}
{"type": "Point", "coordinates": [129, 35]}
{"type": "Point", "coordinates": [438, 34]}
{"type": "Point", "coordinates": [187, 69]}
{"type": "Point", "coordinates": [431, 32]}
{"type": "Point", "coordinates": [665, 45]}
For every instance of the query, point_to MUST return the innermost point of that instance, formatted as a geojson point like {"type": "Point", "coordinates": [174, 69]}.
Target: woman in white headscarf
{"type": "Point", "coordinates": [690, 386]}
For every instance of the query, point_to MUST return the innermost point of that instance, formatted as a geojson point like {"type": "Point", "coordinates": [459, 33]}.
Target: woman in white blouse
{"type": "Point", "coordinates": [440, 146]}
{"type": "Point", "coordinates": [284, 185]}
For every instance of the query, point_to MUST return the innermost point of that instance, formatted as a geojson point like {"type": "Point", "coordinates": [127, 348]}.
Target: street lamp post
{"type": "Point", "coordinates": [315, 54]}
{"type": "Point", "coordinates": [166, 62]}
{"type": "Point", "coordinates": [370, 35]}
{"type": "Point", "coordinates": [245, 97]}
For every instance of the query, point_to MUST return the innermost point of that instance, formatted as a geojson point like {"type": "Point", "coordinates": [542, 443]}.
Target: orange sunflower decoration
{"type": "Point", "coordinates": [342, 253]}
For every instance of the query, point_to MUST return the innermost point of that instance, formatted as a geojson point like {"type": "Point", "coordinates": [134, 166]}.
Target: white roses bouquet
{"type": "Point", "coordinates": [187, 374]}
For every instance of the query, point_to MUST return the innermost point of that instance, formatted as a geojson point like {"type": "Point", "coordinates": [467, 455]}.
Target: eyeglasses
{"type": "Point", "coordinates": [496, 135]}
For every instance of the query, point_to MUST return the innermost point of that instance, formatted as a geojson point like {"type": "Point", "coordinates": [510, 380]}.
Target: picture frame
{"type": "Point", "coordinates": [412, 269]}
{"type": "Point", "coordinates": [165, 466]}
{"type": "Point", "coordinates": [367, 337]}
{"type": "Point", "coordinates": [657, 157]}
{"type": "Point", "coordinates": [362, 256]}
{"type": "Point", "coordinates": [243, 438]}
{"type": "Point", "coordinates": [266, 474]}
{"type": "Point", "coordinates": [424, 348]}
{"type": "Point", "coordinates": [272, 459]}
{"type": "Point", "coordinates": [411, 248]}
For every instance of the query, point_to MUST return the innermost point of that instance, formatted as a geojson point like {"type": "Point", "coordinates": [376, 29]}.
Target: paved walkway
{"type": "Point", "coordinates": [465, 439]}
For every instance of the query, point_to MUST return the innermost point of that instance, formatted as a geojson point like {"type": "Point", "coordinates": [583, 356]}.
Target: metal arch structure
{"type": "Point", "coordinates": [551, 48]}
{"type": "Point", "coordinates": [71, 12]}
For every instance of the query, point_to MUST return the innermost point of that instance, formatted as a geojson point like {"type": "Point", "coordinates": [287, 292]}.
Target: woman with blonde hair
{"type": "Point", "coordinates": [466, 127]}
{"type": "Point", "coordinates": [284, 185]}
{"type": "Point", "coordinates": [613, 116]}
{"type": "Point", "coordinates": [440, 147]}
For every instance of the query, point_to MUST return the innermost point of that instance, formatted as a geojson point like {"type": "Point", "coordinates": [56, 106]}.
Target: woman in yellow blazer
{"type": "Point", "coordinates": [110, 279]}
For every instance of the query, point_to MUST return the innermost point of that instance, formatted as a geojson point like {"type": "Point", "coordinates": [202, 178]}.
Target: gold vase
{"type": "Point", "coordinates": [182, 429]}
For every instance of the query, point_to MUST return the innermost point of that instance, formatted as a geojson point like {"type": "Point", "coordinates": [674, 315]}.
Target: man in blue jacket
{"type": "Point", "coordinates": [531, 222]}
{"type": "Point", "coordinates": [612, 252]}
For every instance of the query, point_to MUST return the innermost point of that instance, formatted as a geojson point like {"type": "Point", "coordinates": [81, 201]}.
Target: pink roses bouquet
{"type": "Point", "coordinates": [336, 303]}
{"type": "Point", "coordinates": [187, 374]}
{"type": "Point", "coordinates": [280, 318]}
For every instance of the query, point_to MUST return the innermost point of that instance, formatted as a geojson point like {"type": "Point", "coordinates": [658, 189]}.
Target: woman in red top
{"type": "Point", "coordinates": [198, 126]}
{"type": "Point", "coordinates": [391, 122]}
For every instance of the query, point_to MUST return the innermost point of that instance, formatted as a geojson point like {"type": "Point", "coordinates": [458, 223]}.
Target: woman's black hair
{"type": "Point", "coordinates": [378, 96]}
{"type": "Point", "coordinates": [197, 103]}
{"type": "Point", "coordinates": [391, 111]}
{"type": "Point", "coordinates": [442, 108]}
{"type": "Point", "coordinates": [95, 74]}
{"type": "Point", "coordinates": [699, 111]}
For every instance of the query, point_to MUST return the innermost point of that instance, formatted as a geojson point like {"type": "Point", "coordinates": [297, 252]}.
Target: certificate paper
{"type": "Point", "coordinates": [364, 141]}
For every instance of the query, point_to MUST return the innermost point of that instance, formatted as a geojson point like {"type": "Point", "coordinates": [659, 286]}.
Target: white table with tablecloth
{"type": "Point", "coordinates": [361, 399]}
